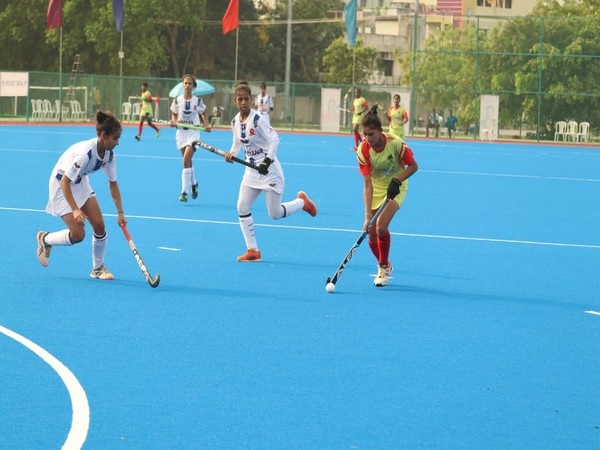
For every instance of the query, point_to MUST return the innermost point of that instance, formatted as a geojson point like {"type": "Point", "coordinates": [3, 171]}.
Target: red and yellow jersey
{"type": "Point", "coordinates": [383, 165]}
{"type": "Point", "coordinates": [397, 117]}
{"type": "Point", "coordinates": [359, 106]}
{"type": "Point", "coordinates": [146, 103]}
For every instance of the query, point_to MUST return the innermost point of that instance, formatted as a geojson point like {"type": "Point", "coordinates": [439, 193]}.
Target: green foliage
{"type": "Point", "coordinates": [344, 65]}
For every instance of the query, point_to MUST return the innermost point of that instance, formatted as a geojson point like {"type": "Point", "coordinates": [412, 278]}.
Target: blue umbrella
{"type": "Point", "coordinates": [202, 88]}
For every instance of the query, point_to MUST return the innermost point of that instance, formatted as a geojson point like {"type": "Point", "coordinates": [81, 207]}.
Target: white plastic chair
{"type": "Point", "coordinates": [36, 113]}
{"type": "Point", "coordinates": [560, 128]}
{"type": "Point", "coordinates": [572, 130]}
{"type": "Point", "coordinates": [584, 132]}
{"type": "Point", "coordinates": [489, 134]}
{"type": "Point", "coordinates": [136, 110]}
{"type": "Point", "coordinates": [126, 111]}
{"type": "Point", "coordinates": [61, 108]}
{"type": "Point", "coordinates": [48, 110]}
{"type": "Point", "coordinates": [39, 104]}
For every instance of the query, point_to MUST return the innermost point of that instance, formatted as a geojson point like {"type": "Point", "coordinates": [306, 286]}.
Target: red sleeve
{"type": "Point", "coordinates": [364, 160]}
{"type": "Point", "coordinates": [405, 115]}
{"type": "Point", "coordinates": [408, 158]}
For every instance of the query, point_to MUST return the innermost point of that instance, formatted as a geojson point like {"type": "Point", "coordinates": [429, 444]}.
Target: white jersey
{"type": "Point", "coordinates": [76, 163]}
{"type": "Point", "coordinates": [188, 112]}
{"type": "Point", "coordinates": [259, 140]}
{"type": "Point", "coordinates": [263, 103]}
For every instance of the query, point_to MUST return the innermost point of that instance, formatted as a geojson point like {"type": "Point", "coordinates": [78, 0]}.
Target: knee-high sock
{"type": "Point", "coordinates": [383, 242]}
{"type": "Point", "coordinates": [357, 139]}
{"type": "Point", "coordinates": [193, 176]}
{"type": "Point", "coordinates": [140, 129]}
{"type": "Point", "coordinates": [291, 207]}
{"type": "Point", "coordinates": [98, 250]}
{"type": "Point", "coordinates": [247, 227]}
{"type": "Point", "coordinates": [374, 248]}
{"type": "Point", "coordinates": [186, 179]}
{"type": "Point", "coordinates": [61, 237]}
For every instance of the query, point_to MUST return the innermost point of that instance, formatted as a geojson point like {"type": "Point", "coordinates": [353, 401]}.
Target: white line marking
{"type": "Point", "coordinates": [596, 313]}
{"type": "Point", "coordinates": [342, 230]}
{"type": "Point", "coordinates": [170, 248]}
{"type": "Point", "coordinates": [80, 421]}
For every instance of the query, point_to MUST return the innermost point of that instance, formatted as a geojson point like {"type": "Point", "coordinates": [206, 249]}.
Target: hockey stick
{"type": "Point", "coordinates": [179, 125]}
{"type": "Point", "coordinates": [151, 281]}
{"type": "Point", "coordinates": [350, 254]}
{"type": "Point", "coordinates": [344, 109]}
{"type": "Point", "coordinates": [222, 153]}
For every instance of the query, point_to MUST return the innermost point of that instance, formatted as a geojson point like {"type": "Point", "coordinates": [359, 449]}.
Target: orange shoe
{"type": "Point", "coordinates": [250, 256]}
{"type": "Point", "coordinates": [309, 205]}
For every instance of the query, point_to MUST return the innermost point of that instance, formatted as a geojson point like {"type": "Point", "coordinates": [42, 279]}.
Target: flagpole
{"type": "Point", "coordinates": [237, 35]}
{"type": "Point", "coordinates": [121, 56]}
{"type": "Point", "coordinates": [60, 84]}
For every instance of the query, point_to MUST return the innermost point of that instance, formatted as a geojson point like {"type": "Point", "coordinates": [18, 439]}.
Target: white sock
{"type": "Point", "coordinates": [98, 250]}
{"type": "Point", "coordinates": [293, 206]}
{"type": "Point", "coordinates": [193, 176]}
{"type": "Point", "coordinates": [186, 179]}
{"type": "Point", "coordinates": [58, 238]}
{"type": "Point", "coordinates": [247, 226]}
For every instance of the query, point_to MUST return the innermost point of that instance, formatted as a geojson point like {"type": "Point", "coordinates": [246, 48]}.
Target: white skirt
{"type": "Point", "coordinates": [185, 137]}
{"type": "Point", "coordinates": [57, 204]}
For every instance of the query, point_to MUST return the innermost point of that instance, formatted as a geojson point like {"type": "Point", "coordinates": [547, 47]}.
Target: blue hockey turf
{"type": "Point", "coordinates": [486, 337]}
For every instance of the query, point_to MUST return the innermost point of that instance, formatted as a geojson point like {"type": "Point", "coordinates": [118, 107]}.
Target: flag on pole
{"type": "Point", "coordinates": [118, 11]}
{"type": "Point", "coordinates": [230, 19]}
{"type": "Point", "coordinates": [350, 19]}
{"type": "Point", "coordinates": [54, 16]}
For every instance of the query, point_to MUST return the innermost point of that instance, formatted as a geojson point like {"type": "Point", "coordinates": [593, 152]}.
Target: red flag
{"type": "Point", "coordinates": [54, 17]}
{"type": "Point", "coordinates": [230, 19]}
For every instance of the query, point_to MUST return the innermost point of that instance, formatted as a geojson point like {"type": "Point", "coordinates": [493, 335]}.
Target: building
{"type": "Point", "coordinates": [389, 25]}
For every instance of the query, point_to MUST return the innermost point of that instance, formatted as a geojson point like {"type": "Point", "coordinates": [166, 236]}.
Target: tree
{"type": "Point", "coordinates": [309, 40]}
{"type": "Point", "coordinates": [344, 65]}
{"type": "Point", "coordinates": [446, 71]}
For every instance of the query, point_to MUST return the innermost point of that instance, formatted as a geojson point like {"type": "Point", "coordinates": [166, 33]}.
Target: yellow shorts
{"type": "Point", "coordinates": [380, 193]}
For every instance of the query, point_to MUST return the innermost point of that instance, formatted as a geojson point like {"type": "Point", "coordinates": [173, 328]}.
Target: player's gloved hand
{"type": "Point", "coordinates": [263, 167]}
{"type": "Point", "coordinates": [393, 188]}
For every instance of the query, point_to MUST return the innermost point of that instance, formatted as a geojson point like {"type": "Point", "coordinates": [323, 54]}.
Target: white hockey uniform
{"type": "Point", "coordinates": [259, 140]}
{"type": "Point", "coordinates": [264, 104]}
{"type": "Point", "coordinates": [188, 113]}
{"type": "Point", "coordinates": [76, 163]}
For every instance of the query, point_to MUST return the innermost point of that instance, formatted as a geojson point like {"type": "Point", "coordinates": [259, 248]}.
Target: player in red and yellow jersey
{"type": "Point", "coordinates": [386, 163]}
{"type": "Point", "coordinates": [359, 107]}
{"type": "Point", "coordinates": [397, 117]}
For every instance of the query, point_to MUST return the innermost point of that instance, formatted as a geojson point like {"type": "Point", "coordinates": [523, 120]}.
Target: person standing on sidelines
{"type": "Point", "coordinates": [260, 143]}
{"type": "Point", "coordinates": [451, 122]}
{"type": "Point", "coordinates": [386, 163]}
{"type": "Point", "coordinates": [187, 109]}
{"type": "Point", "coordinates": [264, 103]}
{"type": "Point", "coordinates": [397, 117]}
{"type": "Point", "coordinates": [358, 108]}
{"type": "Point", "coordinates": [72, 198]}
{"type": "Point", "coordinates": [146, 112]}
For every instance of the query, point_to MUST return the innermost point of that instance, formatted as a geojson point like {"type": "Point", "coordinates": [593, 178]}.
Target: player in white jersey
{"type": "Point", "coordinates": [263, 103]}
{"type": "Point", "coordinates": [260, 143]}
{"type": "Point", "coordinates": [72, 198]}
{"type": "Point", "coordinates": [188, 109]}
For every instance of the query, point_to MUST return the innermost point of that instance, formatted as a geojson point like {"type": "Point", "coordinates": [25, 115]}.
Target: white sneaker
{"type": "Point", "coordinates": [383, 275]}
{"type": "Point", "coordinates": [102, 273]}
{"type": "Point", "coordinates": [43, 249]}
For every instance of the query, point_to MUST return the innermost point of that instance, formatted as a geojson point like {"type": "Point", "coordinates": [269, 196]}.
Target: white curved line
{"type": "Point", "coordinates": [80, 421]}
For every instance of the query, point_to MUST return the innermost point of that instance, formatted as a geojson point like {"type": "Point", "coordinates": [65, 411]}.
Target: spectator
{"type": "Point", "coordinates": [451, 123]}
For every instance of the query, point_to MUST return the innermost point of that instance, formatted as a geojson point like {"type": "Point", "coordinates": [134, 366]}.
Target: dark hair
{"type": "Point", "coordinates": [243, 85]}
{"type": "Point", "coordinates": [145, 84]}
{"type": "Point", "coordinates": [371, 119]}
{"type": "Point", "coordinates": [189, 76]}
{"type": "Point", "coordinates": [263, 85]}
{"type": "Point", "coordinates": [106, 122]}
